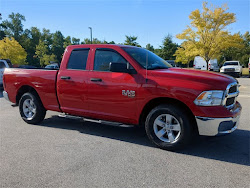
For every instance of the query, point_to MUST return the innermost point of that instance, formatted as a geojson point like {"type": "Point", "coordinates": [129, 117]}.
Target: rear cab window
{"type": "Point", "coordinates": [78, 59]}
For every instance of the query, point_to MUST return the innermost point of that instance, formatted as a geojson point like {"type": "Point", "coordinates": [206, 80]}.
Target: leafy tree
{"type": "Point", "coordinates": [2, 28]}
{"type": "Point", "coordinates": [43, 55]}
{"type": "Point", "coordinates": [12, 50]}
{"type": "Point", "coordinates": [94, 41]}
{"type": "Point", "coordinates": [150, 47]}
{"type": "Point", "coordinates": [207, 32]}
{"type": "Point", "coordinates": [185, 53]}
{"type": "Point", "coordinates": [57, 45]}
{"type": "Point", "coordinates": [67, 41]}
{"type": "Point", "coordinates": [131, 40]}
{"type": "Point", "coordinates": [29, 40]}
{"type": "Point", "coordinates": [241, 54]}
{"type": "Point", "coordinates": [46, 36]}
{"type": "Point", "coordinates": [14, 26]}
{"type": "Point", "coordinates": [168, 48]}
{"type": "Point", "coordinates": [75, 41]}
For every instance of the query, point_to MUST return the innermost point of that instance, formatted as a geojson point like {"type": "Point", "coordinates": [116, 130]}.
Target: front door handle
{"type": "Point", "coordinates": [65, 77]}
{"type": "Point", "coordinates": [96, 80]}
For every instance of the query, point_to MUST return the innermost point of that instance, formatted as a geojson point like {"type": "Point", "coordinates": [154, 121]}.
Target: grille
{"type": "Point", "coordinates": [230, 101]}
{"type": "Point", "coordinates": [231, 95]}
{"type": "Point", "coordinates": [229, 70]}
{"type": "Point", "coordinates": [233, 89]}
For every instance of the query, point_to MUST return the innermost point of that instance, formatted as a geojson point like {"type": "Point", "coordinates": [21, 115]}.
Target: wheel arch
{"type": "Point", "coordinates": [25, 89]}
{"type": "Point", "coordinates": [165, 100]}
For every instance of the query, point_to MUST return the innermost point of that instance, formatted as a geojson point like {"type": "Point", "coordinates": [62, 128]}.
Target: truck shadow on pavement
{"type": "Point", "coordinates": [1, 92]}
{"type": "Point", "coordinates": [232, 148]}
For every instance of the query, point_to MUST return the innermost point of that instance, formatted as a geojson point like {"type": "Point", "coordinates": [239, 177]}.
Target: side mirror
{"type": "Point", "coordinates": [243, 66]}
{"type": "Point", "coordinates": [120, 67]}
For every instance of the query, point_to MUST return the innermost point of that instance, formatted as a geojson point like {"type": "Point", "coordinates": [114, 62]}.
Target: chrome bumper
{"type": "Point", "coordinates": [6, 96]}
{"type": "Point", "coordinates": [214, 126]}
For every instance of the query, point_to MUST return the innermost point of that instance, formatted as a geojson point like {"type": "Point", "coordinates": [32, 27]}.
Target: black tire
{"type": "Point", "coordinates": [180, 116]}
{"type": "Point", "coordinates": [39, 111]}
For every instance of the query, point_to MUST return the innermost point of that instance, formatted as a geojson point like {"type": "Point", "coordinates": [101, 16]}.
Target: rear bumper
{"type": "Point", "coordinates": [6, 96]}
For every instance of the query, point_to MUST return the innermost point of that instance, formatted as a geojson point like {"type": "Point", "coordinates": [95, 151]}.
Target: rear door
{"type": "Point", "coordinates": [72, 82]}
{"type": "Point", "coordinates": [111, 95]}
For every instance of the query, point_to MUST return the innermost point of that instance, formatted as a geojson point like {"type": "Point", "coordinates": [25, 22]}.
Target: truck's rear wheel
{"type": "Point", "coordinates": [168, 127]}
{"type": "Point", "coordinates": [31, 108]}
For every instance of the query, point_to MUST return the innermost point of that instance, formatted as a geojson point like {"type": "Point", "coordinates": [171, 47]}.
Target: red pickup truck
{"type": "Point", "coordinates": [128, 85]}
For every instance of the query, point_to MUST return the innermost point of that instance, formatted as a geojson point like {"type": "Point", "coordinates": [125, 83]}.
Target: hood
{"type": "Point", "coordinates": [212, 80]}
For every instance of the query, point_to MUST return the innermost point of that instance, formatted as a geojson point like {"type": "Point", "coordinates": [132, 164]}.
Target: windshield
{"type": "Point", "coordinates": [145, 57]}
{"type": "Point", "coordinates": [230, 63]}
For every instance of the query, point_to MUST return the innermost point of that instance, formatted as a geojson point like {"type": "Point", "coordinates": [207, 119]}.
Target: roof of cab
{"type": "Point", "coordinates": [100, 46]}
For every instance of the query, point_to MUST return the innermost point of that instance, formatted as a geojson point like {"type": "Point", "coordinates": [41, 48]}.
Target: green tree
{"type": "Point", "coordinates": [57, 45]}
{"type": "Point", "coordinates": [2, 28]}
{"type": "Point", "coordinates": [46, 36]}
{"type": "Point", "coordinates": [14, 26]}
{"type": "Point", "coordinates": [185, 53]}
{"type": "Point", "coordinates": [131, 40]}
{"type": "Point", "coordinates": [75, 41]}
{"type": "Point", "coordinates": [168, 48]}
{"type": "Point", "coordinates": [12, 50]}
{"type": "Point", "coordinates": [150, 47]}
{"type": "Point", "coordinates": [67, 41]}
{"type": "Point", "coordinates": [241, 54]}
{"type": "Point", "coordinates": [29, 40]}
{"type": "Point", "coordinates": [43, 54]}
{"type": "Point", "coordinates": [208, 34]}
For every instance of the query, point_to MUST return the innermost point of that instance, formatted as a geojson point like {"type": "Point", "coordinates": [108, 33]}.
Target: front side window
{"type": "Point", "coordinates": [78, 59]}
{"type": "Point", "coordinates": [146, 58]}
{"type": "Point", "coordinates": [104, 57]}
{"type": "Point", "coordinates": [2, 65]}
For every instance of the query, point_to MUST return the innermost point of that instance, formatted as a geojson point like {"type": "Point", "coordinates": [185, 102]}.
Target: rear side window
{"type": "Point", "coordinates": [104, 57]}
{"type": "Point", "coordinates": [2, 65]}
{"type": "Point", "coordinates": [78, 59]}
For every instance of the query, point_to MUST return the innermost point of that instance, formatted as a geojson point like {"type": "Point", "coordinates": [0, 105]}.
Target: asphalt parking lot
{"type": "Point", "coordinates": [70, 153]}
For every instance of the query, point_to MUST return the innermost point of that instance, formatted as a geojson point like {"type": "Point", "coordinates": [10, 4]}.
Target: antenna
{"type": "Point", "coordinates": [147, 67]}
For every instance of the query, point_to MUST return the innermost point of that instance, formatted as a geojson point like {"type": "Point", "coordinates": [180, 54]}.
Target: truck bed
{"type": "Point", "coordinates": [42, 80]}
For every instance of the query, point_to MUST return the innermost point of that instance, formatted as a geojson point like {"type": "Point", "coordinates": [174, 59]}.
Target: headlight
{"type": "Point", "coordinates": [237, 69]}
{"type": "Point", "coordinates": [209, 98]}
{"type": "Point", "coordinates": [222, 69]}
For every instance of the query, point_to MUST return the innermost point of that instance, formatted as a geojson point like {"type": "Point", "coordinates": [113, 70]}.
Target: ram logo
{"type": "Point", "coordinates": [128, 93]}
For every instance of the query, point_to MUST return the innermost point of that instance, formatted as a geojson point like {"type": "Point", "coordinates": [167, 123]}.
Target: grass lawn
{"type": "Point", "coordinates": [245, 71]}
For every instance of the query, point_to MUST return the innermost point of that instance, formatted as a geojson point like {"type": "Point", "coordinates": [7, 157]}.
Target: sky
{"type": "Point", "coordinates": [111, 20]}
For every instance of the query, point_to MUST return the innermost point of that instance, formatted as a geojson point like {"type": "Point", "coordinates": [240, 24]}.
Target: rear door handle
{"type": "Point", "coordinates": [96, 80]}
{"type": "Point", "coordinates": [65, 77]}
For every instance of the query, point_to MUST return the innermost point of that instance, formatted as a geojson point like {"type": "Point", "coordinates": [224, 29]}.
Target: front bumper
{"type": "Point", "coordinates": [6, 96]}
{"type": "Point", "coordinates": [215, 126]}
{"type": "Point", "coordinates": [234, 74]}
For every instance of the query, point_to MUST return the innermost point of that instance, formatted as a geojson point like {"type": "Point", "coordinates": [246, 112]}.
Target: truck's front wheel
{"type": "Point", "coordinates": [31, 108]}
{"type": "Point", "coordinates": [168, 127]}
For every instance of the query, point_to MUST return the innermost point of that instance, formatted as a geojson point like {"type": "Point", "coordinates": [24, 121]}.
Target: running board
{"type": "Point", "coordinates": [94, 120]}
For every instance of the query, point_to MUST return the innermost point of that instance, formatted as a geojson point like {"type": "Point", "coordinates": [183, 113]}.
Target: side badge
{"type": "Point", "coordinates": [128, 93]}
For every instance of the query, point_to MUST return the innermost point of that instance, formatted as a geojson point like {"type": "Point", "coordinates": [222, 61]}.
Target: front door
{"type": "Point", "coordinates": [111, 95]}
